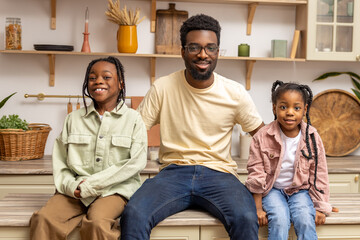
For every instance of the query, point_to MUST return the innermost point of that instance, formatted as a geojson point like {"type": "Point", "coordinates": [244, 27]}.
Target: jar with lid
{"type": "Point", "coordinates": [13, 34]}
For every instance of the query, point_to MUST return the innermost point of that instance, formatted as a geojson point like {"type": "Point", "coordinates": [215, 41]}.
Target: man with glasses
{"type": "Point", "coordinates": [197, 110]}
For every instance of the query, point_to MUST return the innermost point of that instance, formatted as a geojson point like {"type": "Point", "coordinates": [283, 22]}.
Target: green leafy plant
{"type": "Point", "coordinates": [13, 122]}
{"type": "Point", "coordinates": [2, 103]}
{"type": "Point", "coordinates": [354, 78]}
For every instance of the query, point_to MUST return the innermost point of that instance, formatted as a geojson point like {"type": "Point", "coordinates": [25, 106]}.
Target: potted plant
{"type": "Point", "coordinates": [20, 140]}
{"type": "Point", "coordinates": [353, 76]}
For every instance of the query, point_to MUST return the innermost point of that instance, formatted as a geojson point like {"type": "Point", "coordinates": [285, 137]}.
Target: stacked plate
{"type": "Point", "coordinates": [51, 47]}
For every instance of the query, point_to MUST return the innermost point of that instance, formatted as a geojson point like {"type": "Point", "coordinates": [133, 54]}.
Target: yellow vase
{"type": "Point", "coordinates": [127, 39]}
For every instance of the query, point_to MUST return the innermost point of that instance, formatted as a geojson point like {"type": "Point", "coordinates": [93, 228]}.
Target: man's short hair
{"type": "Point", "coordinates": [199, 22]}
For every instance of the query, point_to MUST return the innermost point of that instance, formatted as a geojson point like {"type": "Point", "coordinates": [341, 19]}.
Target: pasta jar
{"type": "Point", "coordinates": [13, 34]}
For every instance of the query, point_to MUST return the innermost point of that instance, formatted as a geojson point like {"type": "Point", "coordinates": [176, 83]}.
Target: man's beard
{"type": "Point", "coordinates": [202, 76]}
{"type": "Point", "coordinates": [199, 75]}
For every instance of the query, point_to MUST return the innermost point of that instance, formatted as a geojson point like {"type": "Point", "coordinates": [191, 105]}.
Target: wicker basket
{"type": "Point", "coordinates": [17, 144]}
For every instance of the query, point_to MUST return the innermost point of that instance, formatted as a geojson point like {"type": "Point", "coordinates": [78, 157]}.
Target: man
{"type": "Point", "coordinates": [197, 110]}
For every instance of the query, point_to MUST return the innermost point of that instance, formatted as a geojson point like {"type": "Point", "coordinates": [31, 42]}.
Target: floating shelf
{"type": "Point", "coordinates": [251, 8]}
{"type": "Point", "coordinates": [250, 61]}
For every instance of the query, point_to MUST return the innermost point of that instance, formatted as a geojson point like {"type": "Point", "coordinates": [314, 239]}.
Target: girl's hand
{"type": "Point", "coordinates": [77, 192]}
{"type": "Point", "coordinates": [262, 218]}
{"type": "Point", "coordinates": [319, 218]}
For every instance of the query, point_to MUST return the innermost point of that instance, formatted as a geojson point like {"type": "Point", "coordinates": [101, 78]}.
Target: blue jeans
{"type": "Point", "coordinates": [282, 210]}
{"type": "Point", "coordinates": [177, 188]}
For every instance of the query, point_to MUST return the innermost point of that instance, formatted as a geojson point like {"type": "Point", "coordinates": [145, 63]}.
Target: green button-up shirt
{"type": "Point", "coordinates": [107, 153]}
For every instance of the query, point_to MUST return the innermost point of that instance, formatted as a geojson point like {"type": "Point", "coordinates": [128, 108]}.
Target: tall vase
{"type": "Point", "coordinates": [127, 39]}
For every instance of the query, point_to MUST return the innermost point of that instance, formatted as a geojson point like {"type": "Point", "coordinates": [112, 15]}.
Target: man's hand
{"type": "Point", "coordinates": [319, 218]}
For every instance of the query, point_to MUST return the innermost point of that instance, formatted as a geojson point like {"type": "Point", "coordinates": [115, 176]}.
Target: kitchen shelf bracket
{"type": "Point", "coordinates": [251, 13]}
{"type": "Point", "coordinates": [52, 69]}
{"type": "Point", "coordinates": [152, 70]}
{"type": "Point", "coordinates": [53, 15]}
{"type": "Point", "coordinates": [153, 16]}
{"type": "Point", "coordinates": [249, 69]}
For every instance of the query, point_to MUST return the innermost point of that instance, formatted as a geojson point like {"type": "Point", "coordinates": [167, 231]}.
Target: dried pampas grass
{"type": "Point", "coordinates": [122, 16]}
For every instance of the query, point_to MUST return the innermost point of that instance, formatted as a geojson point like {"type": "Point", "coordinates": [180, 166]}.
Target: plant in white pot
{"type": "Point", "coordinates": [20, 140]}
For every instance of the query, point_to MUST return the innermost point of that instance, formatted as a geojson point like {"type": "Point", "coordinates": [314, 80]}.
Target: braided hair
{"type": "Point", "coordinates": [199, 22]}
{"type": "Point", "coordinates": [121, 78]}
{"type": "Point", "coordinates": [279, 88]}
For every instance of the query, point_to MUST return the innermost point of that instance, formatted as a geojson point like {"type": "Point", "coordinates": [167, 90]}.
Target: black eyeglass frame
{"type": "Point", "coordinates": [206, 49]}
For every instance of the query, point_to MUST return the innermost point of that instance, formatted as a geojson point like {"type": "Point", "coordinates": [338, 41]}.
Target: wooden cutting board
{"type": "Point", "coordinates": [335, 114]}
{"type": "Point", "coordinates": [168, 24]}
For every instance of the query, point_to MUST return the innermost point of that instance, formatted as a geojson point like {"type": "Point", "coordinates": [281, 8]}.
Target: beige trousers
{"type": "Point", "coordinates": [62, 214]}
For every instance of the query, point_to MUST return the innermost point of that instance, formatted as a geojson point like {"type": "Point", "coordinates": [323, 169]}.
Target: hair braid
{"type": "Point", "coordinates": [308, 97]}
{"type": "Point", "coordinates": [274, 93]}
{"type": "Point", "coordinates": [85, 85]}
{"type": "Point", "coordinates": [316, 163]}
{"type": "Point", "coordinates": [308, 91]}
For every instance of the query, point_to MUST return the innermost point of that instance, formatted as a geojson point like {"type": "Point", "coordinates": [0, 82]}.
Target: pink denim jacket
{"type": "Point", "coordinates": [264, 164]}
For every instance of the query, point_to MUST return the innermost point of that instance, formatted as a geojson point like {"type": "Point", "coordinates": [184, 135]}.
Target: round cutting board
{"type": "Point", "coordinates": [336, 115]}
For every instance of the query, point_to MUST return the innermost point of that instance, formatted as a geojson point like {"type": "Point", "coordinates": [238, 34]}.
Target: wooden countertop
{"type": "Point", "coordinates": [43, 166]}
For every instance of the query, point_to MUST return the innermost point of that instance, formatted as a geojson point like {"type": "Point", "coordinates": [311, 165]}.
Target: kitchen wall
{"type": "Point", "coordinates": [29, 73]}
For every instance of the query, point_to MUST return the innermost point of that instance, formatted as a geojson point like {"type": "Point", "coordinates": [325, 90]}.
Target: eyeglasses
{"type": "Point", "coordinates": [210, 49]}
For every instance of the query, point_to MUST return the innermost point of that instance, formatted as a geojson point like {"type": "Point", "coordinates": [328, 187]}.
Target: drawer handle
{"type": "Point", "coordinates": [356, 179]}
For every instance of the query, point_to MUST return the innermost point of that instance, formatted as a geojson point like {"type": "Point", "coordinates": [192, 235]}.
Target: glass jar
{"type": "Point", "coordinates": [13, 34]}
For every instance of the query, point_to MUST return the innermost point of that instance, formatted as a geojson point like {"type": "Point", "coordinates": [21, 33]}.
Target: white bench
{"type": "Point", "coordinates": [17, 208]}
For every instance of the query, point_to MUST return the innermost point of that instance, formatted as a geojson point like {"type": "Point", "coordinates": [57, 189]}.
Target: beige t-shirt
{"type": "Point", "coordinates": [196, 124]}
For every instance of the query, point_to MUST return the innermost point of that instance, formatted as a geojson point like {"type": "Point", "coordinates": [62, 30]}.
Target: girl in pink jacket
{"type": "Point", "coordinates": [287, 167]}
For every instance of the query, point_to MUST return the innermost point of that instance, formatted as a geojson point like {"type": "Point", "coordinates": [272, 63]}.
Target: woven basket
{"type": "Point", "coordinates": [17, 144]}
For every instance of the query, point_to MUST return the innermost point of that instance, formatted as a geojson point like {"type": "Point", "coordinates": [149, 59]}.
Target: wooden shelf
{"type": "Point", "coordinates": [270, 2]}
{"type": "Point", "coordinates": [251, 8]}
{"type": "Point", "coordinates": [250, 61]}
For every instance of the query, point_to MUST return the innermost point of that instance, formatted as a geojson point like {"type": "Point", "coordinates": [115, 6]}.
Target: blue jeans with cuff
{"type": "Point", "coordinates": [282, 210]}
{"type": "Point", "coordinates": [177, 188]}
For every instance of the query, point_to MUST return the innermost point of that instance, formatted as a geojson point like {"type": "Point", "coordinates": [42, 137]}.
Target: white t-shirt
{"type": "Point", "coordinates": [286, 175]}
{"type": "Point", "coordinates": [196, 124]}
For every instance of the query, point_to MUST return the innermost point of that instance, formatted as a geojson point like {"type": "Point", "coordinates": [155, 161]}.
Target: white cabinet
{"type": "Point", "coordinates": [219, 233]}
{"type": "Point", "coordinates": [175, 233]}
{"type": "Point", "coordinates": [26, 184]}
{"type": "Point", "coordinates": [333, 30]}
{"type": "Point", "coordinates": [344, 183]}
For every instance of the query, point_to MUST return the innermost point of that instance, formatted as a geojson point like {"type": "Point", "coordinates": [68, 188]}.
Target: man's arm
{"type": "Point", "coordinates": [257, 129]}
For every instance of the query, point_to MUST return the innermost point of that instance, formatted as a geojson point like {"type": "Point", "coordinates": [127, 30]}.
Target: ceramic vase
{"type": "Point", "coordinates": [127, 39]}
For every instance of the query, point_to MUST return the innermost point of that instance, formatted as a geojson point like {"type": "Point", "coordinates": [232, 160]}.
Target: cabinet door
{"type": "Point", "coordinates": [333, 30]}
{"type": "Point", "coordinates": [175, 233]}
{"type": "Point", "coordinates": [338, 231]}
{"type": "Point", "coordinates": [219, 233]}
{"type": "Point", "coordinates": [344, 183]}
{"type": "Point", "coordinates": [14, 233]}
{"type": "Point", "coordinates": [26, 184]}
